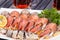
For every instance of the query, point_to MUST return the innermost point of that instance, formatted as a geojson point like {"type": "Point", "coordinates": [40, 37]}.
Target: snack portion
{"type": "Point", "coordinates": [27, 26]}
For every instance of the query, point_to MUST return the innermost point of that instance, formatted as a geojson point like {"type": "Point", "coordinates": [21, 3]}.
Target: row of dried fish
{"type": "Point", "coordinates": [21, 35]}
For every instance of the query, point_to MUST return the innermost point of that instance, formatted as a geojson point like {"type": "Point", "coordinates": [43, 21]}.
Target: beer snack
{"type": "Point", "coordinates": [22, 24]}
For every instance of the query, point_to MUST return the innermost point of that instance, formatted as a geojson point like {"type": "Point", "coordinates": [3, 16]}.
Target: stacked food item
{"type": "Point", "coordinates": [26, 25]}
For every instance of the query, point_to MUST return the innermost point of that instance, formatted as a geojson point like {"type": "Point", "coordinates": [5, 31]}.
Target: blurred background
{"type": "Point", "coordinates": [34, 4]}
